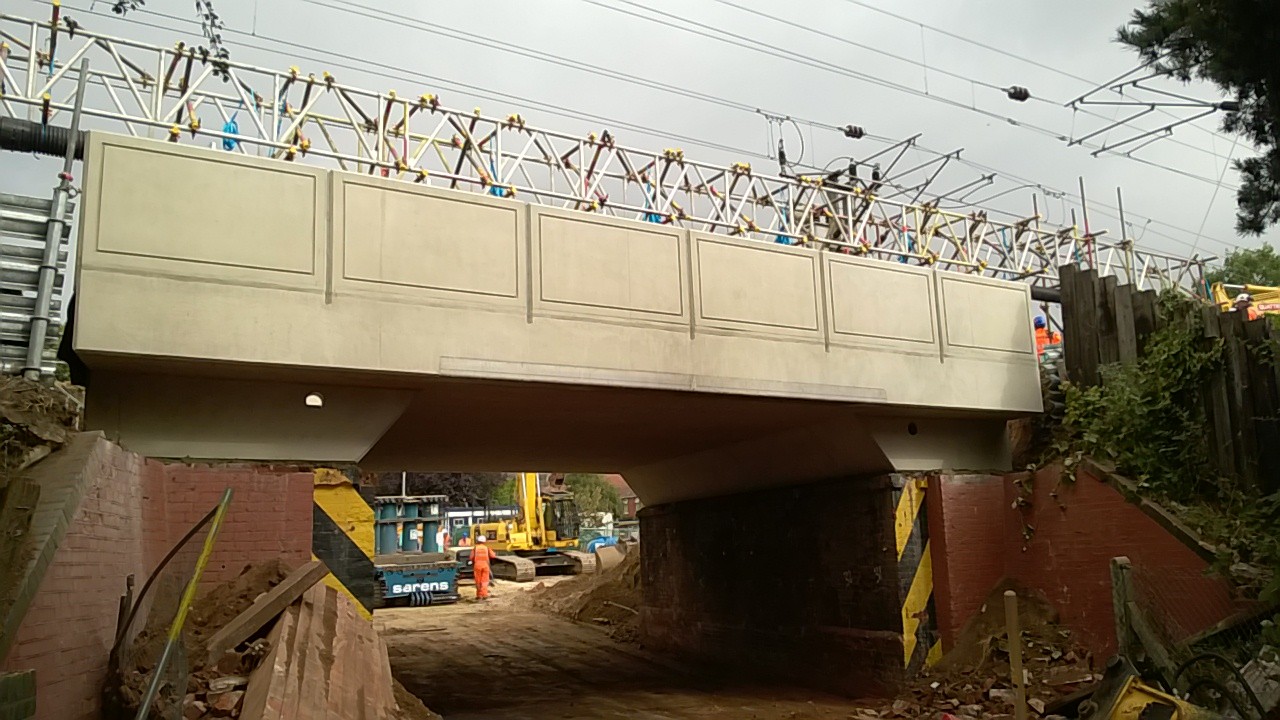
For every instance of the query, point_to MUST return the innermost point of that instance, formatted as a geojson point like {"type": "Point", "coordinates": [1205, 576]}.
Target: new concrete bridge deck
{"type": "Point", "coordinates": [455, 330]}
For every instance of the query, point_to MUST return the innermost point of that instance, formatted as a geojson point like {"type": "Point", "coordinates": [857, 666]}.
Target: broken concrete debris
{"type": "Point", "coordinates": [274, 644]}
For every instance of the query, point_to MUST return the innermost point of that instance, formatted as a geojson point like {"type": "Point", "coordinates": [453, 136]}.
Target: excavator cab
{"type": "Point", "coordinates": [560, 515]}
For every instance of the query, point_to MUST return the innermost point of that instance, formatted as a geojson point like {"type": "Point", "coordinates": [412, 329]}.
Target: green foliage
{"type": "Point", "coordinates": [505, 494]}
{"type": "Point", "coordinates": [462, 489]}
{"type": "Point", "coordinates": [1259, 266]}
{"type": "Point", "coordinates": [1146, 418]}
{"type": "Point", "coordinates": [1232, 44]}
{"type": "Point", "coordinates": [593, 494]}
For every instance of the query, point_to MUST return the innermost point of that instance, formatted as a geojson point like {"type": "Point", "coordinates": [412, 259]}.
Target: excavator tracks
{"type": "Point", "coordinates": [586, 564]}
{"type": "Point", "coordinates": [511, 567]}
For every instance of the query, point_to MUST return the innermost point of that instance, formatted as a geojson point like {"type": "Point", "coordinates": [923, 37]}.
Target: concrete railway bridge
{"type": "Point", "coordinates": [739, 385]}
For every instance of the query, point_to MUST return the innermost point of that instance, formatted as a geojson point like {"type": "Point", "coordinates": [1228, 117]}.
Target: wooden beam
{"type": "Point", "coordinates": [265, 609]}
{"type": "Point", "coordinates": [1121, 593]}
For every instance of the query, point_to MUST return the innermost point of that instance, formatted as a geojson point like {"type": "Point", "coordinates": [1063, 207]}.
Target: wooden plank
{"type": "Point", "coordinates": [1241, 398]}
{"type": "Point", "coordinates": [265, 609]}
{"type": "Point", "coordinates": [1088, 330]}
{"type": "Point", "coordinates": [1126, 334]}
{"type": "Point", "coordinates": [1266, 402]}
{"type": "Point", "coordinates": [1108, 336]}
{"type": "Point", "coordinates": [1121, 593]}
{"type": "Point", "coordinates": [1144, 318]}
{"type": "Point", "coordinates": [1151, 643]}
{"type": "Point", "coordinates": [1268, 436]}
{"type": "Point", "coordinates": [1067, 282]}
{"type": "Point", "coordinates": [1213, 397]}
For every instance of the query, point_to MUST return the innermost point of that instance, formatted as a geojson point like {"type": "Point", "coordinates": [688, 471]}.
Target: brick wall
{"type": "Point", "coordinates": [1078, 528]}
{"type": "Point", "coordinates": [967, 532]}
{"type": "Point", "coordinates": [133, 511]}
{"type": "Point", "coordinates": [269, 516]}
{"type": "Point", "coordinates": [814, 598]}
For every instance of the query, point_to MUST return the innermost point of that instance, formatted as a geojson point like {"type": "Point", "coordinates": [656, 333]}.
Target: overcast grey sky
{"type": "Point", "coordinates": [1057, 50]}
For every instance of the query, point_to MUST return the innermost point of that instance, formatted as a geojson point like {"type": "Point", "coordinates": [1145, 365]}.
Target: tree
{"type": "Point", "coordinates": [1231, 43]}
{"type": "Point", "coordinates": [594, 495]}
{"type": "Point", "coordinates": [462, 489]}
{"type": "Point", "coordinates": [1249, 267]}
{"type": "Point", "coordinates": [210, 24]}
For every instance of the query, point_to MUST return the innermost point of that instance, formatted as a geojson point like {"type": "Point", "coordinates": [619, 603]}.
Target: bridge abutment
{"type": "Point", "coordinates": [807, 582]}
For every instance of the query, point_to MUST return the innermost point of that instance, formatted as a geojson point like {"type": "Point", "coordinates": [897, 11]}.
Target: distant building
{"type": "Point", "coordinates": [630, 503]}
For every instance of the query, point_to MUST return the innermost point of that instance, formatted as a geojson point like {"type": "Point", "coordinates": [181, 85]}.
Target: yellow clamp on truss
{"type": "Point", "coordinates": [294, 70]}
{"type": "Point", "coordinates": [175, 132]}
{"type": "Point", "coordinates": [475, 111]}
{"type": "Point", "coordinates": [194, 125]}
{"type": "Point", "coordinates": [422, 175]}
{"type": "Point", "coordinates": [291, 152]}
{"type": "Point", "coordinates": [429, 101]}
{"type": "Point", "coordinates": [515, 121]}
{"type": "Point", "coordinates": [329, 80]}
{"type": "Point", "coordinates": [402, 166]}
{"type": "Point", "coordinates": [741, 168]}
{"type": "Point", "coordinates": [982, 266]}
{"type": "Point", "coordinates": [673, 154]}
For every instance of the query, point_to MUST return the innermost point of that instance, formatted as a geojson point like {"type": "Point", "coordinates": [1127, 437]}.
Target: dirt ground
{"type": "Point", "coordinates": [507, 660]}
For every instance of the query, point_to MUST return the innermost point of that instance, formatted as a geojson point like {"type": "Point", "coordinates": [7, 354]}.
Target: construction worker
{"type": "Point", "coordinates": [480, 558]}
{"type": "Point", "coordinates": [1244, 303]}
{"type": "Point", "coordinates": [1044, 336]}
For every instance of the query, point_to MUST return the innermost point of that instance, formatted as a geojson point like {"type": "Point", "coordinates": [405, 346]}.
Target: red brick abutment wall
{"type": "Point", "coordinates": [1055, 536]}
{"type": "Point", "coordinates": [122, 513]}
{"type": "Point", "coordinates": [852, 585]}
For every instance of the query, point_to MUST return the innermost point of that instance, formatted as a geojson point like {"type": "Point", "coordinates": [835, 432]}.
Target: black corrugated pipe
{"type": "Point", "coordinates": [1044, 294]}
{"type": "Point", "coordinates": [27, 136]}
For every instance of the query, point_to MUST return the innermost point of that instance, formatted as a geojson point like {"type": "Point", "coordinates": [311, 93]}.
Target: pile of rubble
{"type": "Point", "coordinates": [273, 644]}
{"type": "Point", "coordinates": [35, 420]}
{"type": "Point", "coordinates": [974, 680]}
{"type": "Point", "coordinates": [610, 598]}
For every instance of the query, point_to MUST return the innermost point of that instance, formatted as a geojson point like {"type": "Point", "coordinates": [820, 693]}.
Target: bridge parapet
{"type": "Point", "coordinates": [193, 254]}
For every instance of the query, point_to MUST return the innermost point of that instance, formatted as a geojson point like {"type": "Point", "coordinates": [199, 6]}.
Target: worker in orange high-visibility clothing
{"type": "Point", "coordinates": [480, 558]}
{"type": "Point", "coordinates": [1045, 337]}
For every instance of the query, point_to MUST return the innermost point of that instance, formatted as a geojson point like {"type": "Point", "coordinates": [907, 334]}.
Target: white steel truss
{"type": "Point", "coordinates": [174, 93]}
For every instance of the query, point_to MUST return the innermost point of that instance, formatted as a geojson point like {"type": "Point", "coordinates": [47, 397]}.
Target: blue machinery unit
{"type": "Point", "coordinates": [417, 579]}
{"type": "Point", "coordinates": [408, 572]}
{"type": "Point", "coordinates": [398, 517]}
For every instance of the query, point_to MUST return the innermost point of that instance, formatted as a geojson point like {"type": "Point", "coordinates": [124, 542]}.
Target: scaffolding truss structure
{"type": "Point", "coordinates": [175, 93]}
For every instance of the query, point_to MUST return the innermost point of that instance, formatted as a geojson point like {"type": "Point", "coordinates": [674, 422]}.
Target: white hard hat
{"type": "Point", "coordinates": [1243, 297]}
{"type": "Point", "coordinates": [481, 538]}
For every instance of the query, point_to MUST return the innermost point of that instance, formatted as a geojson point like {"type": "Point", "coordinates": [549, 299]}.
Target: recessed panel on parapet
{"type": "Point", "coordinates": [984, 314]}
{"type": "Point", "coordinates": [592, 266]}
{"type": "Point", "coordinates": [874, 300]}
{"type": "Point", "coordinates": [398, 235]}
{"type": "Point", "coordinates": [756, 287]}
{"type": "Point", "coordinates": [190, 210]}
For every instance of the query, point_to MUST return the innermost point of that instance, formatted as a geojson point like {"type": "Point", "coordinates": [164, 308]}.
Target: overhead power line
{"type": "Point", "coordinates": [1006, 90]}
{"type": "Point", "coordinates": [689, 25]}
{"type": "Point", "coordinates": [998, 50]}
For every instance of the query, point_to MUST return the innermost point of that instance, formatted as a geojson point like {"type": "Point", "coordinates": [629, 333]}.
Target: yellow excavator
{"type": "Point", "coordinates": [542, 539]}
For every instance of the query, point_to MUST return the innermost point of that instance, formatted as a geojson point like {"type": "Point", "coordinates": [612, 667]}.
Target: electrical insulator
{"type": "Point", "coordinates": [854, 132]}
{"type": "Point", "coordinates": [1019, 93]}
{"type": "Point", "coordinates": [782, 154]}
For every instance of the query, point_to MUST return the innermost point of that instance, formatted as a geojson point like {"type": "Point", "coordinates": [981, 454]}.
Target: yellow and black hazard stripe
{"type": "Point", "coordinates": [920, 644]}
{"type": "Point", "coordinates": [342, 535]}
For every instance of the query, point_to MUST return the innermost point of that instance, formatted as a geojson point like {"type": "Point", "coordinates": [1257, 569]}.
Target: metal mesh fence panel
{"type": "Point", "coordinates": [1214, 645]}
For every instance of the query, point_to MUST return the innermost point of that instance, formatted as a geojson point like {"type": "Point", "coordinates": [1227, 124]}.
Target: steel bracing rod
{"type": "Point", "coordinates": [1157, 132]}
{"type": "Point", "coordinates": [304, 118]}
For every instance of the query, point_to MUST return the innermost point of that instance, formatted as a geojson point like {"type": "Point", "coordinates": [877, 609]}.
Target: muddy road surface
{"type": "Point", "coordinates": [505, 660]}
